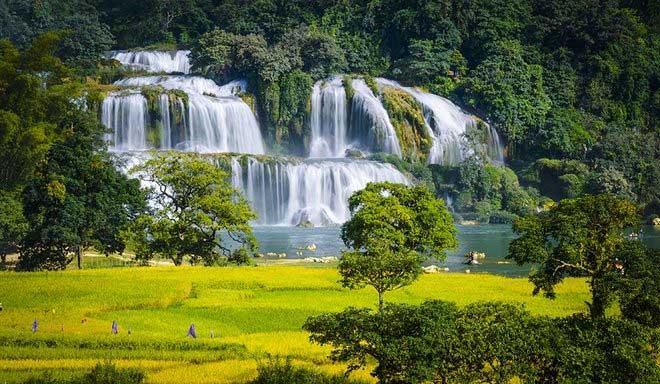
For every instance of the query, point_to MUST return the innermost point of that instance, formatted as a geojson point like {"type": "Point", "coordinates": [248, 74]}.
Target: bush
{"type": "Point", "coordinates": [502, 217]}
{"type": "Point", "coordinates": [278, 372]}
{"type": "Point", "coordinates": [106, 373]}
{"type": "Point", "coordinates": [487, 342]}
{"type": "Point", "coordinates": [240, 256]}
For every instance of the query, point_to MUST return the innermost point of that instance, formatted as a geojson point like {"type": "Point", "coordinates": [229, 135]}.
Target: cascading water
{"type": "Point", "coordinates": [214, 120]}
{"type": "Point", "coordinates": [329, 120]}
{"type": "Point", "coordinates": [337, 127]}
{"type": "Point", "coordinates": [166, 138]}
{"type": "Point", "coordinates": [127, 115]}
{"type": "Point", "coordinates": [370, 123]}
{"type": "Point", "coordinates": [153, 61]}
{"type": "Point", "coordinates": [312, 192]}
{"type": "Point", "coordinates": [211, 118]}
{"type": "Point", "coordinates": [447, 124]}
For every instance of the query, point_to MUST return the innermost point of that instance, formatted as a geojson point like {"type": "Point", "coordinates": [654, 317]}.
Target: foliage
{"type": "Point", "coordinates": [486, 342]}
{"type": "Point", "coordinates": [492, 192]}
{"type": "Point", "coordinates": [608, 350]}
{"type": "Point", "coordinates": [106, 373]}
{"type": "Point", "coordinates": [393, 229]}
{"type": "Point", "coordinates": [558, 179]}
{"type": "Point", "coordinates": [407, 117]}
{"type": "Point", "coordinates": [35, 97]}
{"type": "Point", "coordinates": [639, 283]}
{"type": "Point", "coordinates": [240, 256]}
{"type": "Point", "coordinates": [85, 36]}
{"type": "Point", "coordinates": [140, 24]}
{"type": "Point", "coordinates": [194, 206]}
{"type": "Point", "coordinates": [278, 372]}
{"type": "Point", "coordinates": [77, 199]}
{"type": "Point", "coordinates": [12, 225]}
{"type": "Point", "coordinates": [510, 91]}
{"type": "Point", "coordinates": [577, 237]}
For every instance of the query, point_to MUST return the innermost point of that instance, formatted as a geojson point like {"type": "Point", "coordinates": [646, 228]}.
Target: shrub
{"type": "Point", "coordinates": [106, 373]}
{"type": "Point", "coordinates": [240, 256]}
{"type": "Point", "coordinates": [502, 217]}
{"type": "Point", "coordinates": [278, 372]}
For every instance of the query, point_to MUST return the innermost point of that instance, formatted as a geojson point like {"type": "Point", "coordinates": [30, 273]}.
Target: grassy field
{"type": "Point", "coordinates": [255, 313]}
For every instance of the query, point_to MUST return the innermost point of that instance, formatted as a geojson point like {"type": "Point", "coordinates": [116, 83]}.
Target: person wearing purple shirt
{"type": "Point", "coordinates": [192, 332]}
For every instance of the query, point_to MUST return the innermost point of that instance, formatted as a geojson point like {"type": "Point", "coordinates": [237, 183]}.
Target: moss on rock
{"type": "Point", "coordinates": [407, 117]}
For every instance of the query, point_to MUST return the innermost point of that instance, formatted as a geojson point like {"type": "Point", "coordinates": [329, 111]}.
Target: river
{"type": "Point", "coordinates": [493, 240]}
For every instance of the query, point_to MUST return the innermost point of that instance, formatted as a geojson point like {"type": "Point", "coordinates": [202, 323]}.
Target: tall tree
{"type": "Point", "coordinates": [35, 97]}
{"type": "Point", "coordinates": [77, 199]}
{"type": "Point", "coordinates": [195, 206]}
{"type": "Point", "coordinates": [393, 229]}
{"type": "Point", "coordinates": [85, 37]}
{"type": "Point", "coordinates": [12, 225]}
{"type": "Point", "coordinates": [577, 237]}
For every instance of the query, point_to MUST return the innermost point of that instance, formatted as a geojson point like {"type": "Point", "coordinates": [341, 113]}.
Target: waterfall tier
{"type": "Point", "coordinates": [447, 125]}
{"type": "Point", "coordinates": [311, 192]}
{"type": "Point", "coordinates": [337, 126]}
{"type": "Point", "coordinates": [210, 118]}
{"type": "Point", "coordinates": [153, 61]}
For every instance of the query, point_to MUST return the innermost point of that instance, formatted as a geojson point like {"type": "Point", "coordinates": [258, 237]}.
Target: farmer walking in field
{"type": "Point", "coordinates": [192, 332]}
{"type": "Point", "coordinates": [35, 325]}
{"type": "Point", "coordinates": [115, 327]}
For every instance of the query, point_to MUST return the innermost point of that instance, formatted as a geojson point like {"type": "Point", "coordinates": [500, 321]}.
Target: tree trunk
{"type": "Point", "coordinates": [599, 299]}
{"type": "Point", "coordinates": [79, 253]}
{"type": "Point", "coordinates": [381, 301]}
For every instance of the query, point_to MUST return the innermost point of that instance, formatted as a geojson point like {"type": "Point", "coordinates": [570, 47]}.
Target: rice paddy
{"type": "Point", "coordinates": [254, 313]}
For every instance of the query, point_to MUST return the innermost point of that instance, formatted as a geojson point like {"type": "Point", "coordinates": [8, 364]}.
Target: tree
{"type": "Point", "coordinates": [85, 37]}
{"type": "Point", "coordinates": [35, 98]}
{"type": "Point", "coordinates": [509, 90]}
{"type": "Point", "coordinates": [437, 342]}
{"type": "Point", "coordinates": [577, 237]}
{"type": "Point", "coordinates": [393, 229]}
{"type": "Point", "coordinates": [599, 351]}
{"type": "Point", "coordinates": [12, 225]}
{"type": "Point", "coordinates": [77, 199]}
{"type": "Point", "coordinates": [194, 206]}
{"type": "Point", "coordinates": [639, 283]}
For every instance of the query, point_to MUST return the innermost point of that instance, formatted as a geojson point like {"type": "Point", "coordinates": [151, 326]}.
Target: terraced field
{"type": "Point", "coordinates": [254, 313]}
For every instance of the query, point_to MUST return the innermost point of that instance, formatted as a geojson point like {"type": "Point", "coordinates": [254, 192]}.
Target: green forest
{"type": "Point", "coordinates": [571, 86]}
{"type": "Point", "coordinates": [557, 103]}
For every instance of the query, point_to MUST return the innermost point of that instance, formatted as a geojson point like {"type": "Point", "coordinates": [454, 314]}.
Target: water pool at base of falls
{"type": "Point", "coordinates": [492, 239]}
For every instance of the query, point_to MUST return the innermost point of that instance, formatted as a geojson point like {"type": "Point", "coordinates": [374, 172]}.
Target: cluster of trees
{"type": "Point", "coordinates": [560, 79]}
{"type": "Point", "coordinates": [61, 192]}
{"type": "Point", "coordinates": [490, 341]}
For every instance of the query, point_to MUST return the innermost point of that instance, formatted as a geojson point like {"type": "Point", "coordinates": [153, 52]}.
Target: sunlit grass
{"type": "Point", "coordinates": [254, 312]}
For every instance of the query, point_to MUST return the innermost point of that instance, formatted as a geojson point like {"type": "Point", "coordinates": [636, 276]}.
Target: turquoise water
{"type": "Point", "coordinates": [490, 239]}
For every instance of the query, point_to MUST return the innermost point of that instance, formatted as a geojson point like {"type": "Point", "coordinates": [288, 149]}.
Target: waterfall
{"type": "Point", "coordinates": [370, 124]}
{"type": "Point", "coordinates": [447, 125]}
{"type": "Point", "coordinates": [329, 119]}
{"type": "Point", "coordinates": [494, 145]}
{"type": "Point", "coordinates": [153, 61]}
{"type": "Point", "coordinates": [127, 116]}
{"type": "Point", "coordinates": [166, 137]}
{"type": "Point", "coordinates": [195, 114]}
{"type": "Point", "coordinates": [368, 128]}
{"type": "Point", "coordinates": [309, 192]}
{"type": "Point", "coordinates": [215, 120]}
